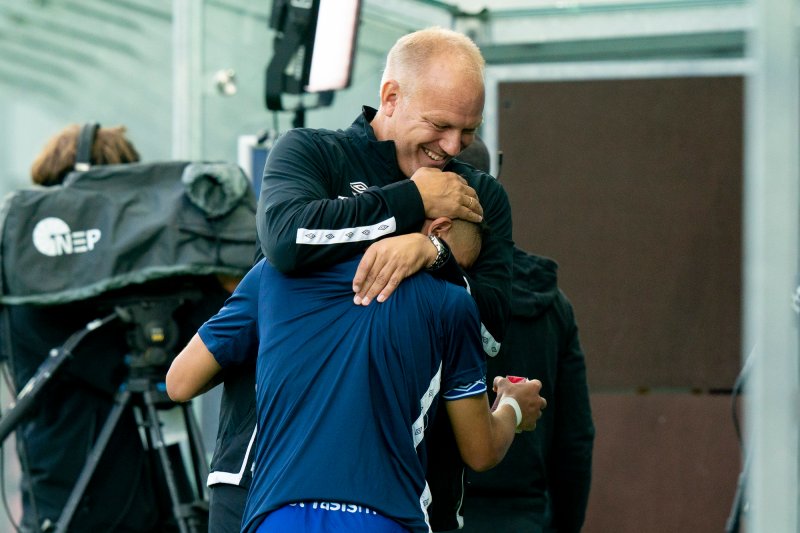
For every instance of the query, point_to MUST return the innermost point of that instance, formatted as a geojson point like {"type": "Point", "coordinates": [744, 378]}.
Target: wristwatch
{"type": "Point", "coordinates": [442, 253]}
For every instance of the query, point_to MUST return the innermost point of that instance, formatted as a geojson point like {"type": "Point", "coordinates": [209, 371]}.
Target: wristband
{"type": "Point", "coordinates": [508, 400]}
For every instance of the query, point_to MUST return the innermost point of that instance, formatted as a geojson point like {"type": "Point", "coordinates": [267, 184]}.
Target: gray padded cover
{"type": "Point", "coordinates": [117, 225]}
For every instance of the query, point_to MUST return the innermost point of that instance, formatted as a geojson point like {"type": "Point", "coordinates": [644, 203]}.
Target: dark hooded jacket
{"type": "Point", "coordinates": [554, 461]}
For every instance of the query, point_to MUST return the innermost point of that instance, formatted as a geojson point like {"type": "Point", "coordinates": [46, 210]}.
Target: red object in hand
{"type": "Point", "coordinates": [516, 379]}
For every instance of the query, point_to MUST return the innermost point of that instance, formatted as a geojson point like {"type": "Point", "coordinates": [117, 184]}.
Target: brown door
{"type": "Point", "coordinates": [635, 188]}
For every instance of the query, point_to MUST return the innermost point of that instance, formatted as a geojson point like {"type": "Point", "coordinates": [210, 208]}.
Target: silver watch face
{"type": "Point", "coordinates": [440, 252]}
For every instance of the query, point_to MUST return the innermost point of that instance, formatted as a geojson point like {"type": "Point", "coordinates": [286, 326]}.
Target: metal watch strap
{"type": "Point", "coordinates": [442, 253]}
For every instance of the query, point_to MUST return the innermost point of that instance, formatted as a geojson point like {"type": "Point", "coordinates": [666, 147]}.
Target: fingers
{"type": "Point", "coordinates": [542, 404]}
{"type": "Point", "coordinates": [496, 381]}
{"type": "Point", "coordinates": [364, 268]}
{"type": "Point", "coordinates": [471, 209]}
{"type": "Point", "coordinates": [379, 287]}
{"type": "Point", "coordinates": [447, 194]}
{"type": "Point", "coordinates": [373, 281]}
{"type": "Point", "coordinates": [386, 264]}
{"type": "Point", "coordinates": [526, 392]}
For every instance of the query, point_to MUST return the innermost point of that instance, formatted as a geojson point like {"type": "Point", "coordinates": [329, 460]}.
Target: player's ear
{"type": "Point", "coordinates": [440, 226]}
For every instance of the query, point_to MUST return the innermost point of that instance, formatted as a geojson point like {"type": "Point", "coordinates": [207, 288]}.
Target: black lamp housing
{"type": "Point", "coordinates": [314, 47]}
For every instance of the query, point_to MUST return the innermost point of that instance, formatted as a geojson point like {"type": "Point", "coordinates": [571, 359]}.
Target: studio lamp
{"type": "Point", "coordinates": [314, 46]}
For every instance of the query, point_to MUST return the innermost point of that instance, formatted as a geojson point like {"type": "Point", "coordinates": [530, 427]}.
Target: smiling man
{"type": "Point", "coordinates": [328, 196]}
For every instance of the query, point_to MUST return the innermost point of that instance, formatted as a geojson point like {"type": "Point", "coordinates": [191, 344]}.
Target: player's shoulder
{"type": "Point", "coordinates": [438, 292]}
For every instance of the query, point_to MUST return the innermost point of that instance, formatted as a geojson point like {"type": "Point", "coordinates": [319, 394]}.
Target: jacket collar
{"type": "Point", "coordinates": [361, 131]}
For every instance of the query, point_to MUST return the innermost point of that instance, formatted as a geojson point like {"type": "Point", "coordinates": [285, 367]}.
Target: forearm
{"type": "Point", "coordinates": [192, 372]}
{"type": "Point", "coordinates": [503, 429]}
{"type": "Point", "coordinates": [483, 437]}
{"type": "Point", "coordinates": [310, 215]}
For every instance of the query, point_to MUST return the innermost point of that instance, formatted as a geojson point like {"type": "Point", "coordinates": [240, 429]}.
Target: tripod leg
{"type": "Point", "coordinates": [195, 438]}
{"type": "Point", "coordinates": [183, 513]}
{"type": "Point", "coordinates": [91, 461]}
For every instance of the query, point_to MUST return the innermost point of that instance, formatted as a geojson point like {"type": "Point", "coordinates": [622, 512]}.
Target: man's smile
{"type": "Point", "coordinates": [432, 155]}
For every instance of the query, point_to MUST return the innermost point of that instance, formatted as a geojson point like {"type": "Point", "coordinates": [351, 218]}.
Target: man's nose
{"type": "Point", "coordinates": [451, 143]}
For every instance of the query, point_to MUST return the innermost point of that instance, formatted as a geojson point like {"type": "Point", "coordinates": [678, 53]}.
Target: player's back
{"type": "Point", "coordinates": [344, 391]}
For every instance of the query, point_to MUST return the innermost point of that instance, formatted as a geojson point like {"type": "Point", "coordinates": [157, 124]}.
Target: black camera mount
{"type": "Point", "coordinates": [152, 340]}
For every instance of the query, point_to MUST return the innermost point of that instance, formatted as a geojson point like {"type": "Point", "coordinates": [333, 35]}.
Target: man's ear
{"type": "Point", "coordinates": [440, 226]}
{"type": "Point", "coordinates": [390, 95]}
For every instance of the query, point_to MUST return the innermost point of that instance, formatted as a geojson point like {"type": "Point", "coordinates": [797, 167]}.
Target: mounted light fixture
{"type": "Point", "coordinates": [314, 48]}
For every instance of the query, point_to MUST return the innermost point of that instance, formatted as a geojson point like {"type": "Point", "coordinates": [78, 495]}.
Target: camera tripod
{"type": "Point", "coordinates": [151, 338]}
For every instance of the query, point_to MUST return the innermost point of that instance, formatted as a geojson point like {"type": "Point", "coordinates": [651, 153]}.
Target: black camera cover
{"type": "Point", "coordinates": [117, 225]}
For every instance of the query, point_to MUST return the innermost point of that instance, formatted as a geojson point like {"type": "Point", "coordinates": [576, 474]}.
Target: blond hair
{"type": "Point", "coordinates": [57, 158]}
{"type": "Point", "coordinates": [413, 54]}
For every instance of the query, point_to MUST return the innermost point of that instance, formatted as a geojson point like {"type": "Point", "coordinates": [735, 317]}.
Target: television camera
{"type": "Point", "coordinates": [102, 279]}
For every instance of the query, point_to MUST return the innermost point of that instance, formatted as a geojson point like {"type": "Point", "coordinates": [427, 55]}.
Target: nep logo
{"type": "Point", "coordinates": [52, 236]}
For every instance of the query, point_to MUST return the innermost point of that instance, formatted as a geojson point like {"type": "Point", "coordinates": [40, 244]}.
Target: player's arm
{"type": "Point", "coordinates": [386, 263]}
{"type": "Point", "coordinates": [228, 338]}
{"type": "Point", "coordinates": [302, 221]}
{"type": "Point", "coordinates": [483, 435]}
{"type": "Point", "coordinates": [192, 372]}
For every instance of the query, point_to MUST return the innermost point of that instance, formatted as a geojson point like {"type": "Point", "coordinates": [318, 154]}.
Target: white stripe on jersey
{"type": "Point", "coordinates": [232, 478]}
{"type": "Point", "coordinates": [338, 236]}
{"type": "Point", "coordinates": [418, 428]}
{"type": "Point", "coordinates": [424, 502]}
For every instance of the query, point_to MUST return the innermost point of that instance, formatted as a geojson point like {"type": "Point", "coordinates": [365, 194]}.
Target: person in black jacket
{"type": "Point", "coordinates": [53, 441]}
{"type": "Point", "coordinates": [542, 485]}
{"type": "Point", "coordinates": [327, 196]}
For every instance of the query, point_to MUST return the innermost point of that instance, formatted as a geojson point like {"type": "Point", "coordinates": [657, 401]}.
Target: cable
{"type": "Point", "coordinates": [732, 524]}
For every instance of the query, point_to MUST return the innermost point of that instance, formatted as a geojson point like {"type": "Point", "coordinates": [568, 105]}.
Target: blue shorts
{"type": "Point", "coordinates": [329, 518]}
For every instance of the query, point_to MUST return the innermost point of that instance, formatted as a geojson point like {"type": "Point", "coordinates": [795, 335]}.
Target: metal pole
{"type": "Point", "coordinates": [771, 268]}
{"type": "Point", "coordinates": [187, 86]}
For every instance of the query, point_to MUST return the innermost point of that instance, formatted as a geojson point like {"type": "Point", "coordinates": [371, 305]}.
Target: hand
{"type": "Point", "coordinates": [389, 261]}
{"type": "Point", "coordinates": [446, 194]}
{"type": "Point", "coordinates": [527, 395]}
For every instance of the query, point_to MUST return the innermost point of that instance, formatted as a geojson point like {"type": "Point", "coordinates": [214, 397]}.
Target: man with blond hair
{"type": "Point", "coordinates": [328, 196]}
